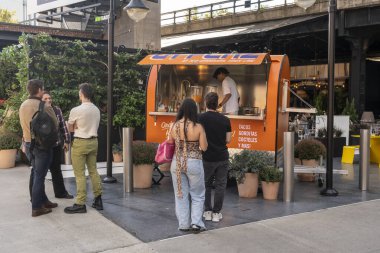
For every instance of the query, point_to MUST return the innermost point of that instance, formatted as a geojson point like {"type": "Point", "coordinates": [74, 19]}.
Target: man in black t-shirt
{"type": "Point", "coordinates": [215, 159]}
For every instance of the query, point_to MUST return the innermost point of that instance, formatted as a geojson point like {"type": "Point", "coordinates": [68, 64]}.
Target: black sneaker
{"type": "Point", "coordinates": [197, 229]}
{"type": "Point", "coordinates": [76, 209]}
{"type": "Point", "coordinates": [98, 203]}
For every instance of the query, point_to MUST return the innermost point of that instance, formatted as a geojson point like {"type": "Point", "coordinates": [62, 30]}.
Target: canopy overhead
{"type": "Point", "coordinates": [208, 59]}
{"type": "Point", "coordinates": [210, 37]}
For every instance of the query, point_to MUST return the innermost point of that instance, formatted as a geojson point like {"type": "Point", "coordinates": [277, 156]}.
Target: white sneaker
{"type": "Point", "coordinates": [207, 215]}
{"type": "Point", "coordinates": [216, 217]}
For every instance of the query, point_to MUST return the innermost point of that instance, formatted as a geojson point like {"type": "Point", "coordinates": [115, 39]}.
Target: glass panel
{"type": "Point", "coordinates": [177, 82]}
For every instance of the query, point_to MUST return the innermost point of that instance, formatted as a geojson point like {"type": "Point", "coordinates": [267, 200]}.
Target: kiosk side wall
{"type": "Point", "coordinates": [282, 118]}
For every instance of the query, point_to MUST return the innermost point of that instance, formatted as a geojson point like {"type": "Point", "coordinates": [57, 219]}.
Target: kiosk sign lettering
{"type": "Point", "coordinates": [246, 136]}
{"type": "Point", "coordinates": [210, 59]}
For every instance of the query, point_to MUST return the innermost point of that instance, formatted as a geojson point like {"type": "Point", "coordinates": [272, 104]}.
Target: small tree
{"type": "Point", "coordinates": [7, 16]}
{"type": "Point", "coordinates": [350, 110]}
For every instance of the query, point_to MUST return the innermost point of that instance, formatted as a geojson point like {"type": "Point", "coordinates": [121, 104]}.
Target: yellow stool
{"type": "Point", "coordinates": [348, 154]}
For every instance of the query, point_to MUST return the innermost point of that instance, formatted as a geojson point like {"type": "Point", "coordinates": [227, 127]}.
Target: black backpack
{"type": "Point", "coordinates": [43, 128]}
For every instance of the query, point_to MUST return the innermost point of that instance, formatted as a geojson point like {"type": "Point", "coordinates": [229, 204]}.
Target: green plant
{"type": "Point", "coordinates": [322, 132]}
{"type": "Point", "coordinates": [320, 103]}
{"type": "Point", "coordinates": [270, 174]}
{"type": "Point", "coordinates": [14, 77]}
{"type": "Point", "coordinates": [116, 148]}
{"type": "Point", "coordinates": [249, 161]}
{"type": "Point", "coordinates": [63, 65]}
{"type": "Point", "coordinates": [8, 16]}
{"type": "Point", "coordinates": [131, 110]}
{"type": "Point", "coordinates": [350, 110]}
{"type": "Point", "coordinates": [9, 141]}
{"type": "Point", "coordinates": [338, 132]}
{"type": "Point", "coordinates": [309, 149]}
{"type": "Point", "coordinates": [143, 153]}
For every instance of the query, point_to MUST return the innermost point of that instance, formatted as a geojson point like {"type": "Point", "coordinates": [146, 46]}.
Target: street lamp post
{"type": "Point", "coordinates": [111, 35]}
{"type": "Point", "coordinates": [137, 11]}
{"type": "Point", "coordinates": [329, 190]}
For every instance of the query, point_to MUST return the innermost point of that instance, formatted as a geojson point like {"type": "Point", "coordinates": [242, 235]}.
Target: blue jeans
{"type": "Point", "coordinates": [27, 150]}
{"type": "Point", "coordinates": [40, 163]}
{"type": "Point", "coordinates": [28, 155]}
{"type": "Point", "coordinates": [189, 208]}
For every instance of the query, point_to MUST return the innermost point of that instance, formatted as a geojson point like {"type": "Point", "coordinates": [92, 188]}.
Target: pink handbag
{"type": "Point", "coordinates": [165, 152]}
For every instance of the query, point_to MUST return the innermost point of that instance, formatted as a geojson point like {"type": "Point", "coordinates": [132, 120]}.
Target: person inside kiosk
{"type": "Point", "coordinates": [230, 102]}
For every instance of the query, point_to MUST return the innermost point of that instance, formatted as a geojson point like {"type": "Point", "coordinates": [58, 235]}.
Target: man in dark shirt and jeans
{"type": "Point", "coordinates": [215, 159]}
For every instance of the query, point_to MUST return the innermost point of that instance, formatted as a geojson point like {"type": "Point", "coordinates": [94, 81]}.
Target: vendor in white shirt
{"type": "Point", "coordinates": [230, 102]}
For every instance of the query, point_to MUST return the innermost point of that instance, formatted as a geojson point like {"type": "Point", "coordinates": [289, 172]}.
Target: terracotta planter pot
{"type": "Point", "coordinates": [308, 177]}
{"type": "Point", "coordinates": [310, 163]}
{"type": "Point", "coordinates": [270, 189]}
{"type": "Point", "coordinates": [7, 158]}
{"type": "Point", "coordinates": [142, 176]}
{"type": "Point", "coordinates": [117, 157]}
{"type": "Point", "coordinates": [248, 189]}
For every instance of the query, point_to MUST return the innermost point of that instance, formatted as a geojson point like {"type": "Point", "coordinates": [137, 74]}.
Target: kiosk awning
{"type": "Point", "coordinates": [207, 59]}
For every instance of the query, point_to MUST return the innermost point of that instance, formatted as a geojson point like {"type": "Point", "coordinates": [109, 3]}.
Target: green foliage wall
{"type": "Point", "coordinates": [17, 57]}
{"type": "Point", "coordinates": [63, 65]}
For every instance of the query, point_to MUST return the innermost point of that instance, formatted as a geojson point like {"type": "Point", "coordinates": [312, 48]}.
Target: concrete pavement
{"type": "Point", "coordinates": [57, 231]}
{"type": "Point", "coordinates": [349, 228]}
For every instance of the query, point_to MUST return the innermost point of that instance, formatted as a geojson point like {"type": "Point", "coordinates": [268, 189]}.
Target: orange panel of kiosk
{"type": "Point", "coordinates": [254, 134]}
{"type": "Point", "coordinates": [205, 59]}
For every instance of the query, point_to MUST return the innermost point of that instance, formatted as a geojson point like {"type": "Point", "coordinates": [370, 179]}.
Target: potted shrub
{"type": "Point", "coordinates": [270, 181]}
{"type": "Point", "coordinates": [244, 167]}
{"type": "Point", "coordinates": [117, 153]}
{"type": "Point", "coordinates": [308, 152]}
{"type": "Point", "coordinates": [339, 141]}
{"type": "Point", "coordinates": [9, 144]}
{"type": "Point", "coordinates": [143, 158]}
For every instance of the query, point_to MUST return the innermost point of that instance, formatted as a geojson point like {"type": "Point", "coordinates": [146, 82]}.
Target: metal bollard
{"type": "Point", "coordinates": [364, 159]}
{"type": "Point", "coordinates": [127, 159]}
{"type": "Point", "coordinates": [67, 160]}
{"type": "Point", "coordinates": [288, 192]}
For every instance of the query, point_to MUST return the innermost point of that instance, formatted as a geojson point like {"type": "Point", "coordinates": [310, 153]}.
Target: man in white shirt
{"type": "Point", "coordinates": [84, 122]}
{"type": "Point", "coordinates": [230, 102]}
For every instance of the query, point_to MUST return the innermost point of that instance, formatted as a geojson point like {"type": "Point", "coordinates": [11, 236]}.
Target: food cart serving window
{"type": "Point", "coordinates": [260, 122]}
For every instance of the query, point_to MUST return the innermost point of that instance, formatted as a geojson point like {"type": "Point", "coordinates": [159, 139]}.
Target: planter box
{"type": "Point", "coordinates": [339, 143]}
{"type": "Point", "coordinates": [248, 189]}
{"type": "Point", "coordinates": [8, 158]}
{"type": "Point", "coordinates": [306, 177]}
{"type": "Point", "coordinates": [142, 176]}
{"type": "Point", "coordinates": [270, 190]}
{"type": "Point", "coordinates": [117, 157]}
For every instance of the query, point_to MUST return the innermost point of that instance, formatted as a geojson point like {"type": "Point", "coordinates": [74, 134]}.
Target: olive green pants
{"type": "Point", "coordinates": [84, 152]}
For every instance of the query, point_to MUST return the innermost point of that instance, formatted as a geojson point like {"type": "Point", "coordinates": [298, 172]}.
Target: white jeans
{"type": "Point", "coordinates": [189, 208]}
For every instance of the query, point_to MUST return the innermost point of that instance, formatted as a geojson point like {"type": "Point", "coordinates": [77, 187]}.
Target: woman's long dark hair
{"type": "Point", "coordinates": [187, 111]}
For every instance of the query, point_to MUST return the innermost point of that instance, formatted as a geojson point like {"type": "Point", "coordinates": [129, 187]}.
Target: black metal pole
{"type": "Point", "coordinates": [111, 23]}
{"type": "Point", "coordinates": [329, 190]}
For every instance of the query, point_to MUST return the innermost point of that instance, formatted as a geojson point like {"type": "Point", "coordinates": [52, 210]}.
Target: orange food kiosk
{"type": "Point", "coordinates": [259, 77]}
